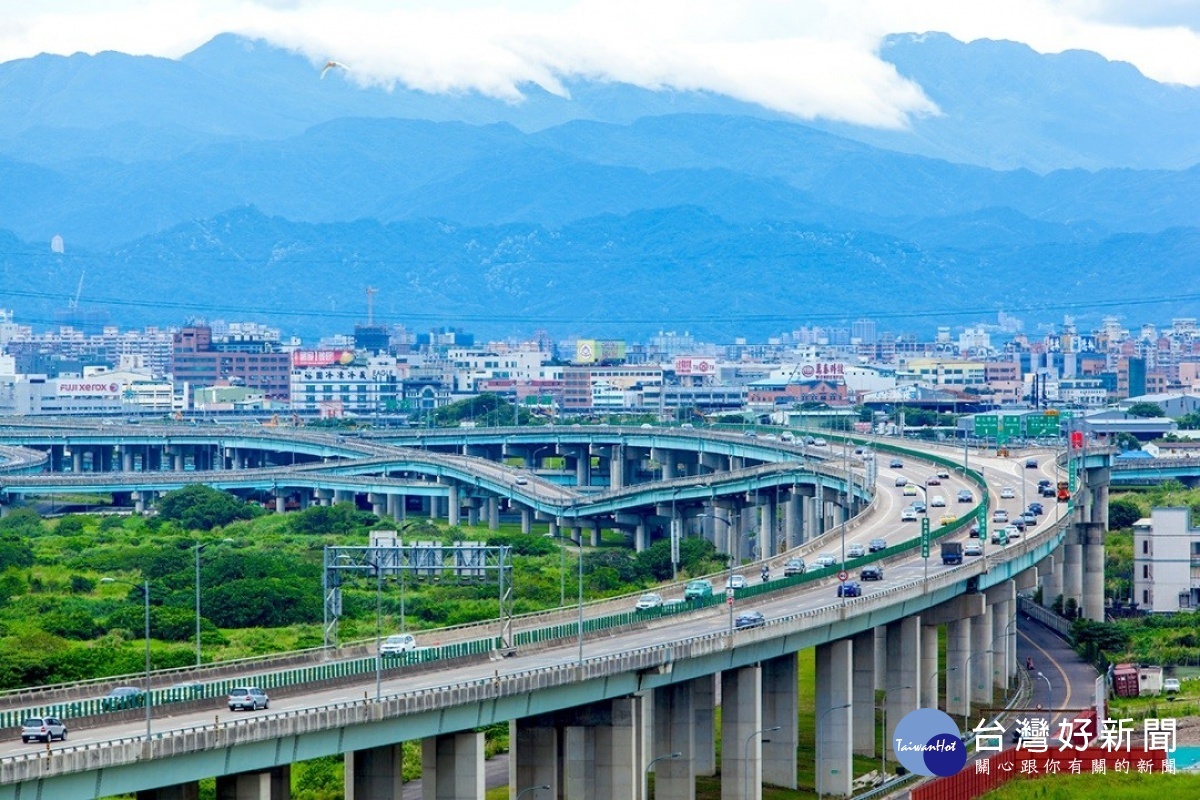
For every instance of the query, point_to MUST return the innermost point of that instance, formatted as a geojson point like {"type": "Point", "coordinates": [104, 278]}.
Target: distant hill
{"type": "Point", "coordinates": [236, 183]}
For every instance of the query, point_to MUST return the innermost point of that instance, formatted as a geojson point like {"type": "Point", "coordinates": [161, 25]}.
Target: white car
{"type": "Point", "coordinates": [909, 514]}
{"type": "Point", "coordinates": [398, 643]}
{"type": "Point", "coordinates": [856, 551]}
{"type": "Point", "coordinates": [649, 600]}
{"type": "Point", "coordinates": [1007, 493]}
{"type": "Point", "coordinates": [1171, 685]}
{"type": "Point", "coordinates": [937, 501]}
{"type": "Point", "coordinates": [735, 582]}
{"type": "Point", "coordinates": [826, 560]}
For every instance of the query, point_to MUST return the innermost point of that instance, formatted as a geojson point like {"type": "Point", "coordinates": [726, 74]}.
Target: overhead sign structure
{"type": "Point", "coordinates": [1042, 425]}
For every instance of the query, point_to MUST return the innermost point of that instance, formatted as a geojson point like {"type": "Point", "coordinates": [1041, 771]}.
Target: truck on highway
{"type": "Point", "coordinates": [952, 552]}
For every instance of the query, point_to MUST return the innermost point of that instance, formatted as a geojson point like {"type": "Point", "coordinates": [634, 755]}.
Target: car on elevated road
{"type": "Point", "coordinates": [794, 566]}
{"type": "Point", "coordinates": [43, 729]}
{"type": "Point", "coordinates": [697, 590]}
{"type": "Point", "coordinates": [749, 619]}
{"type": "Point", "coordinates": [965, 496]}
{"type": "Point", "coordinates": [248, 698]}
{"type": "Point", "coordinates": [875, 545]}
{"type": "Point", "coordinates": [849, 589]}
{"type": "Point", "coordinates": [856, 551]}
{"type": "Point", "coordinates": [648, 601]}
{"type": "Point", "coordinates": [871, 572]}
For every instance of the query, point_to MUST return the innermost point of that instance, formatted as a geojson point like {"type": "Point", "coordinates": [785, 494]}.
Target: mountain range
{"type": "Point", "coordinates": [233, 183]}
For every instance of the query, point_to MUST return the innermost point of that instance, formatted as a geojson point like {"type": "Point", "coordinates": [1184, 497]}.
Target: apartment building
{"type": "Point", "coordinates": [1166, 561]}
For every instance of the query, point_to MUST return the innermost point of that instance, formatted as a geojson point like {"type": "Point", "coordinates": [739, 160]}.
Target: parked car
{"type": "Point", "coordinates": [849, 589]}
{"type": "Point", "coordinates": [47, 729]}
{"type": "Point", "coordinates": [973, 549]}
{"type": "Point", "coordinates": [697, 590]}
{"type": "Point", "coordinates": [648, 601]}
{"type": "Point", "coordinates": [248, 698]}
{"type": "Point", "coordinates": [871, 572]}
{"type": "Point", "coordinates": [1007, 493]}
{"type": "Point", "coordinates": [875, 545]}
{"type": "Point", "coordinates": [1170, 686]}
{"type": "Point", "coordinates": [794, 566]}
{"type": "Point", "coordinates": [908, 514]}
{"type": "Point", "coordinates": [965, 496]}
{"type": "Point", "coordinates": [749, 619]}
{"type": "Point", "coordinates": [398, 643]}
{"type": "Point", "coordinates": [123, 697]}
{"type": "Point", "coordinates": [735, 582]}
{"type": "Point", "coordinates": [856, 551]}
{"type": "Point", "coordinates": [896, 463]}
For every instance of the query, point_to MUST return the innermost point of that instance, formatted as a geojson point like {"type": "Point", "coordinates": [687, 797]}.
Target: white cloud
{"type": "Point", "coordinates": [804, 57]}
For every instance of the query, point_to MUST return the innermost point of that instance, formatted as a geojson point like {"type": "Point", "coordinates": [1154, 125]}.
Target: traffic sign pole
{"type": "Point", "coordinates": [925, 544]}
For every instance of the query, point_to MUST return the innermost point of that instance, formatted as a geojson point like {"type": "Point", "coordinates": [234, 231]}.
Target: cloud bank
{"type": "Point", "coordinates": [807, 58]}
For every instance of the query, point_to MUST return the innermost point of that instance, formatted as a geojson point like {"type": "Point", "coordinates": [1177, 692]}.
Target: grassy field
{"type": "Point", "coordinates": [1100, 787]}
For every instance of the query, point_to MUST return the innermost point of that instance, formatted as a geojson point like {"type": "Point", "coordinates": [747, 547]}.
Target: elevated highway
{"type": "Point", "coordinates": [643, 686]}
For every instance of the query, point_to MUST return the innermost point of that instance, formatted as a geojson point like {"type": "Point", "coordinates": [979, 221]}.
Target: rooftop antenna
{"type": "Point", "coordinates": [371, 291]}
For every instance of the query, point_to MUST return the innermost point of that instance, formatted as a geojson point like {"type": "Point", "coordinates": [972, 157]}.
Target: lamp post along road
{"type": "Point", "coordinates": [144, 588]}
{"type": "Point", "coordinates": [883, 750]}
{"type": "Point", "coordinates": [654, 761]}
{"type": "Point", "coordinates": [746, 754]}
{"type": "Point", "coordinates": [819, 774]}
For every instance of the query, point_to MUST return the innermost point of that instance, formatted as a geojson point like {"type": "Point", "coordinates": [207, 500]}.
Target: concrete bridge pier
{"type": "Point", "coordinates": [704, 735]}
{"type": "Point", "coordinates": [271, 784]}
{"type": "Point", "coordinates": [526, 519]}
{"type": "Point", "coordinates": [280, 502]}
{"type": "Point", "coordinates": [1072, 555]}
{"type": "Point", "coordinates": [395, 506]}
{"type": "Point", "coordinates": [493, 513]}
{"type": "Point", "coordinates": [1092, 582]}
{"type": "Point", "coordinates": [374, 773]}
{"type": "Point", "coordinates": [959, 615]}
{"type": "Point", "coordinates": [793, 521]}
{"type": "Point", "coordinates": [741, 718]}
{"type": "Point", "coordinates": [834, 714]}
{"type": "Point", "coordinates": [864, 693]}
{"type": "Point", "coordinates": [903, 682]}
{"type": "Point", "coordinates": [453, 504]}
{"type": "Point", "coordinates": [1002, 602]}
{"type": "Point", "coordinates": [1050, 575]}
{"type": "Point", "coordinates": [77, 461]}
{"type": "Point", "coordinates": [127, 459]}
{"type": "Point", "coordinates": [780, 707]}
{"type": "Point", "coordinates": [596, 529]}
{"type": "Point", "coordinates": [674, 732]}
{"type": "Point", "coordinates": [533, 757]}
{"type": "Point", "coordinates": [980, 665]}
{"type": "Point", "coordinates": [616, 467]}
{"type": "Point", "coordinates": [452, 767]}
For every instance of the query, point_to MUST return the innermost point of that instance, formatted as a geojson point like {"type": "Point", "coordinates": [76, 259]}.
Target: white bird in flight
{"type": "Point", "coordinates": [332, 65]}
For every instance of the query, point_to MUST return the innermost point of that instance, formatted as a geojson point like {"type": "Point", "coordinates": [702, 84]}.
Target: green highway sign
{"type": "Point", "coordinates": [985, 426]}
{"type": "Point", "coordinates": [924, 537]}
{"type": "Point", "coordinates": [1042, 425]}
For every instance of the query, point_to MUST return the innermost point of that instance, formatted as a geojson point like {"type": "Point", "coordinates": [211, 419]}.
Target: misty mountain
{"type": "Point", "coordinates": [620, 276]}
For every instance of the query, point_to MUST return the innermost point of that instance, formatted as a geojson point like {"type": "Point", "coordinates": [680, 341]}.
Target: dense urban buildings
{"type": "Point", "coordinates": [380, 369]}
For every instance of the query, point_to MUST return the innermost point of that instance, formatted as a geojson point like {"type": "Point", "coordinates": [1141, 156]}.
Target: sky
{"type": "Point", "coordinates": [808, 58]}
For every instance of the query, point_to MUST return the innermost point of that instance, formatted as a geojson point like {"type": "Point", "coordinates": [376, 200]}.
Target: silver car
{"type": "Point", "coordinates": [43, 729]}
{"type": "Point", "coordinates": [248, 698]}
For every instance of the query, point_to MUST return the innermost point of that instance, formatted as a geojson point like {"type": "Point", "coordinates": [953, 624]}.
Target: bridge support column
{"type": "Point", "coordinates": [1092, 589]}
{"type": "Point", "coordinates": [1050, 572]}
{"type": "Point", "coordinates": [616, 467]}
{"type": "Point", "coordinates": [814, 519]}
{"type": "Point", "coordinates": [473, 514]}
{"type": "Point", "coordinates": [864, 693]}
{"type": "Point", "coordinates": [374, 773]}
{"type": "Point", "coordinates": [280, 503]}
{"type": "Point", "coordinates": [741, 716]}
{"type": "Point", "coordinates": [674, 732]}
{"type": "Point", "coordinates": [127, 459]}
{"type": "Point", "coordinates": [834, 733]}
{"type": "Point", "coordinates": [395, 506]}
{"type": "Point", "coordinates": [1072, 569]}
{"type": "Point", "coordinates": [493, 513]}
{"type": "Point", "coordinates": [903, 670]}
{"type": "Point", "coordinates": [533, 757]}
{"type": "Point", "coordinates": [958, 653]}
{"type": "Point", "coordinates": [452, 504]}
{"type": "Point", "coordinates": [526, 520]}
{"type": "Point", "coordinates": [179, 791]}
{"type": "Point", "coordinates": [929, 666]}
{"type": "Point", "coordinates": [378, 504]}
{"type": "Point", "coordinates": [780, 707]}
{"type": "Point", "coordinates": [704, 737]}
{"type": "Point", "coordinates": [77, 461]}
{"type": "Point", "coordinates": [767, 544]}
{"type": "Point", "coordinates": [595, 533]}
{"type": "Point", "coordinates": [793, 519]}
{"type": "Point", "coordinates": [667, 460]}
{"type": "Point", "coordinates": [1002, 599]}
{"type": "Point", "coordinates": [981, 661]}
{"type": "Point", "coordinates": [618, 771]}
{"type": "Point", "coordinates": [452, 767]}
{"type": "Point", "coordinates": [271, 784]}
{"type": "Point", "coordinates": [139, 502]}
{"type": "Point", "coordinates": [641, 536]}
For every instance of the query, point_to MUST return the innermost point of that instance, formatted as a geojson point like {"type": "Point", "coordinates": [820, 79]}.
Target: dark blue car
{"type": "Point", "coordinates": [849, 589]}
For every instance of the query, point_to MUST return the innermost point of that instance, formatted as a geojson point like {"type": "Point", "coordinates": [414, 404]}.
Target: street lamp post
{"type": "Point", "coordinates": [198, 548]}
{"type": "Point", "coordinates": [729, 582]}
{"type": "Point", "coordinates": [578, 542]}
{"type": "Point", "coordinates": [929, 681]}
{"type": "Point", "coordinates": [819, 774]}
{"type": "Point", "coordinates": [972, 657]}
{"type": "Point", "coordinates": [144, 588]}
{"type": "Point", "coordinates": [883, 750]}
{"type": "Point", "coordinates": [746, 753]}
{"type": "Point", "coordinates": [1049, 691]}
{"type": "Point", "coordinates": [654, 761]}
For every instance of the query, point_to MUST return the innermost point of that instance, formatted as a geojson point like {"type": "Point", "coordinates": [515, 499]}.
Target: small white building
{"type": "Point", "coordinates": [1166, 561]}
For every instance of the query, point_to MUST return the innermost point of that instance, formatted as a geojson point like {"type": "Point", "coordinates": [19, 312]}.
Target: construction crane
{"type": "Point", "coordinates": [73, 303]}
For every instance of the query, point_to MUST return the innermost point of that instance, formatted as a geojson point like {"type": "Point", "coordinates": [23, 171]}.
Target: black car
{"type": "Point", "coordinates": [849, 589]}
{"type": "Point", "coordinates": [876, 545]}
{"type": "Point", "coordinates": [1043, 483]}
{"type": "Point", "coordinates": [896, 463]}
{"type": "Point", "coordinates": [1031, 463]}
{"type": "Point", "coordinates": [1037, 508]}
{"type": "Point", "coordinates": [749, 619]}
{"type": "Point", "coordinates": [871, 573]}
{"type": "Point", "coordinates": [1046, 491]}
